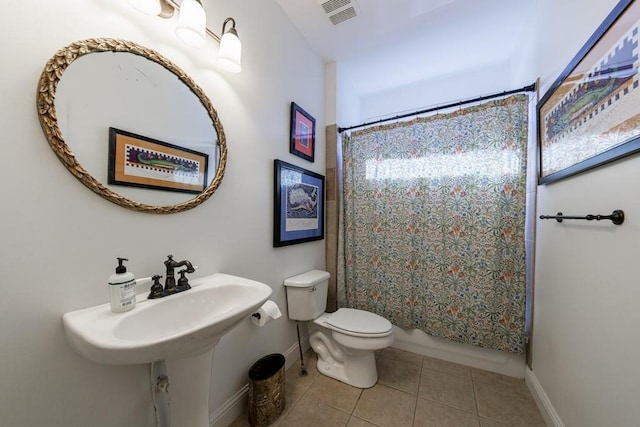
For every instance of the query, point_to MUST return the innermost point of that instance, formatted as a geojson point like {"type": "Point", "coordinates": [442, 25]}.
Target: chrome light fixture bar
{"type": "Point", "coordinates": [192, 28]}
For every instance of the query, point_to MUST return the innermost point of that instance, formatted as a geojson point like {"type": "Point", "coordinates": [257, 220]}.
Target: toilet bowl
{"type": "Point", "coordinates": [345, 341]}
{"type": "Point", "coordinates": [346, 352]}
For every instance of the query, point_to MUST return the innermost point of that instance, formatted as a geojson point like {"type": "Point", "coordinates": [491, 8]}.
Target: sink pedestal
{"type": "Point", "coordinates": [189, 382]}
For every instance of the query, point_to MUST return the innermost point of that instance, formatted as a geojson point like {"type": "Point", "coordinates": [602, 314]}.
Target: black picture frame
{"type": "Point", "coordinates": [590, 116]}
{"type": "Point", "coordinates": [302, 141]}
{"type": "Point", "coordinates": [298, 206]}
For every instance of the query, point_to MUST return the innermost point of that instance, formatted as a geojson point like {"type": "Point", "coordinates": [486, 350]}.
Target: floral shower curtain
{"type": "Point", "coordinates": [433, 223]}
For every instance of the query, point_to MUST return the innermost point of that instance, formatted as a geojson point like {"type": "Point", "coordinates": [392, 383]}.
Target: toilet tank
{"type": "Point", "coordinates": [307, 294]}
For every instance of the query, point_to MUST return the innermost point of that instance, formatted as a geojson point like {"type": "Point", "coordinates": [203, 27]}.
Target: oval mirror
{"type": "Point", "coordinates": [131, 126]}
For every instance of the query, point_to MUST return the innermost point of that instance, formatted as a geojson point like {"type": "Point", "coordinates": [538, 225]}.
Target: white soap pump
{"type": "Point", "coordinates": [122, 289]}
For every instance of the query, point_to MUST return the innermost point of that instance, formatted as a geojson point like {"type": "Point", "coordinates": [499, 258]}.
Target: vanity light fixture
{"type": "Point", "coordinates": [149, 7]}
{"type": "Point", "coordinates": [192, 28]}
{"type": "Point", "coordinates": [230, 52]}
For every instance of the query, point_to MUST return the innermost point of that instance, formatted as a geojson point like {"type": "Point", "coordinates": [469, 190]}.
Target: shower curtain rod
{"type": "Point", "coordinates": [530, 88]}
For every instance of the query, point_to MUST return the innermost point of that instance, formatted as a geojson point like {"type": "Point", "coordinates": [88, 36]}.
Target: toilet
{"type": "Point", "coordinates": [344, 341]}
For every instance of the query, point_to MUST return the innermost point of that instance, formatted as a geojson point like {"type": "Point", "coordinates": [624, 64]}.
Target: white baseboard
{"type": "Point", "coordinates": [547, 410]}
{"type": "Point", "coordinates": [237, 404]}
{"type": "Point", "coordinates": [231, 409]}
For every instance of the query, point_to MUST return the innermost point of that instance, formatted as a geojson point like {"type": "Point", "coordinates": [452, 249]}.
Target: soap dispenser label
{"type": "Point", "coordinates": [128, 293]}
{"type": "Point", "coordinates": [123, 296]}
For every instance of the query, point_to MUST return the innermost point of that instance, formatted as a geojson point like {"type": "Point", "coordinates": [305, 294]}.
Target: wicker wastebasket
{"type": "Point", "coordinates": [266, 390]}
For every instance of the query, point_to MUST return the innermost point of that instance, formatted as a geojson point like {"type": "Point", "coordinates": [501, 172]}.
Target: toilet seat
{"type": "Point", "coordinates": [358, 323]}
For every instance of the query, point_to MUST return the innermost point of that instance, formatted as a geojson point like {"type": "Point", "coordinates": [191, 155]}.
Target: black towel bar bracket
{"type": "Point", "coordinates": [617, 217]}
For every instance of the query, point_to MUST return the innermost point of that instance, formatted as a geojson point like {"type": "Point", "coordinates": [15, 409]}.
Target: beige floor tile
{"type": "Point", "coordinates": [486, 422]}
{"type": "Point", "coordinates": [297, 385]}
{"type": "Point", "coordinates": [399, 375]}
{"type": "Point", "coordinates": [401, 355]}
{"type": "Point", "coordinates": [432, 414]}
{"type": "Point", "coordinates": [445, 366]}
{"type": "Point", "coordinates": [334, 393]}
{"type": "Point", "coordinates": [386, 407]}
{"type": "Point", "coordinates": [508, 404]}
{"type": "Point", "coordinates": [487, 377]}
{"type": "Point", "coordinates": [448, 389]}
{"type": "Point", "coordinates": [301, 383]}
{"type": "Point", "coordinates": [357, 422]}
{"type": "Point", "coordinates": [311, 413]}
{"type": "Point", "coordinates": [292, 394]}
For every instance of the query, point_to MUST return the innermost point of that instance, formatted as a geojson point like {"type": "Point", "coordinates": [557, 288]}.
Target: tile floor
{"type": "Point", "coordinates": [412, 390]}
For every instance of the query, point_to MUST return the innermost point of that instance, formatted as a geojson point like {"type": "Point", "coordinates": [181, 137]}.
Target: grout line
{"type": "Point", "coordinates": [415, 409]}
{"type": "Point", "coordinates": [357, 401]}
{"type": "Point", "coordinates": [475, 398]}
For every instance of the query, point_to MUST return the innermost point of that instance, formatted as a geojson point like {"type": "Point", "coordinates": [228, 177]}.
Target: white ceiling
{"type": "Point", "coordinates": [397, 42]}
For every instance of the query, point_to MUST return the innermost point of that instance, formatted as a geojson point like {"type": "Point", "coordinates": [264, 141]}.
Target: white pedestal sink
{"type": "Point", "coordinates": [182, 329]}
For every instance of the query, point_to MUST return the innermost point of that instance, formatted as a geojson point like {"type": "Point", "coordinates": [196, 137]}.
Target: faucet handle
{"type": "Point", "coordinates": [157, 291]}
{"type": "Point", "coordinates": [183, 282]}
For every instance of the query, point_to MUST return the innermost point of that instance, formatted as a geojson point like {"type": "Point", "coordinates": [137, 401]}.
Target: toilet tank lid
{"type": "Point", "coordinates": [307, 279]}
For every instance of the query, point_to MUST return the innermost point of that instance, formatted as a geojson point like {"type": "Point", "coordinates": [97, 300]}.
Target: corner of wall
{"type": "Point", "coordinates": [551, 417]}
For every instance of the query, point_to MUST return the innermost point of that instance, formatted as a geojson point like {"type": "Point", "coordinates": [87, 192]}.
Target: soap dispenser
{"type": "Point", "coordinates": [122, 289]}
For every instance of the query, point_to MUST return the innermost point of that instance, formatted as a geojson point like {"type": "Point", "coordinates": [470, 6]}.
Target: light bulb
{"type": "Point", "coordinates": [230, 52]}
{"type": "Point", "coordinates": [192, 23]}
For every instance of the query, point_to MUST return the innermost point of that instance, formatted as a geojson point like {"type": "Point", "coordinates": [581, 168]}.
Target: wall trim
{"type": "Point", "coordinates": [545, 406]}
{"type": "Point", "coordinates": [231, 409]}
{"type": "Point", "coordinates": [237, 404]}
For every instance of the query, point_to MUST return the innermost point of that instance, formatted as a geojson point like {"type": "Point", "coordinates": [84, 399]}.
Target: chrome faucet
{"type": "Point", "coordinates": [170, 279]}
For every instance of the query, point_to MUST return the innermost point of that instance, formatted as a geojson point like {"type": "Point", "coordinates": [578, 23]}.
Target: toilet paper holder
{"type": "Point", "coordinates": [266, 313]}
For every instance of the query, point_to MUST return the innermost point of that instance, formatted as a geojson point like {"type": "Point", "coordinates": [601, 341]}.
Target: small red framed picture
{"type": "Point", "coordinates": [303, 133]}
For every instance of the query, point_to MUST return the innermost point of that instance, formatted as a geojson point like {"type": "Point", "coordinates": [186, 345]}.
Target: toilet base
{"type": "Point", "coordinates": [357, 371]}
{"type": "Point", "coordinates": [356, 367]}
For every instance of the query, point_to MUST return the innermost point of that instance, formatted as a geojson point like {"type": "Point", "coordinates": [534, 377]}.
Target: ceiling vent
{"type": "Point", "coordinates": [339, 11]}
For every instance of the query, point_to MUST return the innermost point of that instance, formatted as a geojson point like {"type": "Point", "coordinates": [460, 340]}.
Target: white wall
{"type": "Point", "coordinates": [474, 82]}
{"type": "Point", "coordinates": [343, 102]}
{"type": "Point", "coordinates": [586, 315]}
{"type": "Point", "coordinates": [60, 240]}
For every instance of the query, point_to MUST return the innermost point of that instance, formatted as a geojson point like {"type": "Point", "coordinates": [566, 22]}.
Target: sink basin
{"type": "Point", "coordinates": [182, 325]}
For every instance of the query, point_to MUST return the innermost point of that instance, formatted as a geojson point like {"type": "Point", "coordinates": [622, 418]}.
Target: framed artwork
{"type": "Point", "coordinates": [303, 133]}
{"type": "Point", "coordinates": [591, 114]}
{"type": "Point", "coordinates": [298, 214]}
{"type": "Point", "coordinates": [138, 161]}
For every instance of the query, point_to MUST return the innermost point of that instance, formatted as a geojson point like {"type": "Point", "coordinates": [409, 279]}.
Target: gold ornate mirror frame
{"type": "Point", "coordinates": [47, 85]}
